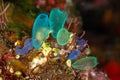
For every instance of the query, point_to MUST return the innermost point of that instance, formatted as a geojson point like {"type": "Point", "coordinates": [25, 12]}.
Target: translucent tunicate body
{"type": "Point", "coordinates": [57, 20]}
{"type": "Point", "coordinates": [40, 31]}
{"type": "Point", "coordinates": [85, 63]}
{"type": "Point", "coordinates": [63, 36]}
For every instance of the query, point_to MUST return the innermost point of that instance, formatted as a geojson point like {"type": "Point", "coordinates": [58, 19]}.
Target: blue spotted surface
{"type": "Point", "coordinates": [75, 54]}
{"type": "Point", "coordinates": [80, 43]}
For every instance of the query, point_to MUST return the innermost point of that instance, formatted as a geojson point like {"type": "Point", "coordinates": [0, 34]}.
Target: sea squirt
{"type": "Point", "coordinates": [40, 31]}
{"type": "Point", "coordinates": [57, 20]}
{"type": "Point", "coordinates": [63, 36]}
{"type": "Point", "coordinates": [86, 63]}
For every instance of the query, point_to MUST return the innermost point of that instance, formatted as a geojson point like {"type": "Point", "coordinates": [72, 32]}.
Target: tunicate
{"type": "Point", "coordinates": [57, 20]}
{"type": "Point", "coordinates": [40, 31]}
{"type": "Point", "coordinates": [63, 36]}
{"type": "Point", "coordinates": [85, 63]}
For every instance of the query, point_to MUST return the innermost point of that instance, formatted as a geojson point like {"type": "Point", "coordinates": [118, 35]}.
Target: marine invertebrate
{"type": "Point", "coordinates": [85, 63]}
{"type": "Point", "coordinates": [40, 31]}
{"type": "Point", "coordinates": [57, 20]}
{"type": "Point", "coordinates": [74, 54]}
{"type": "Point", "coordinates": [27, 46]}
{"type": "Point", "coordinates": [63, 36]}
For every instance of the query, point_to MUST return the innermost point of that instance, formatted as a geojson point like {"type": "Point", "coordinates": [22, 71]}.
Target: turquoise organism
{"type": "Point", "coordinates": [57, 20]}
{"type": "Point", "coordinates": [27, 47]}
{"type": "Point", "coordinates": [74, 54]}
{"type": "Point", "coordinates": [63, 36]}
{"type": "Point", "coordinates": [86, 63]}
{"type": "Point", "coordinates": [40, 31]}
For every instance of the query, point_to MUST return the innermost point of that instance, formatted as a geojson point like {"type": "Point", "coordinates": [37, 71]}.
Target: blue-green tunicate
{"type": "Point", "coordinates": [85, 63]}
{"type": "Point", "coordinates": [63, 36]}
{"type": "Point", "coordinates": [57, 20]}
{"type": "Point", "coordinates": [40, 31]}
